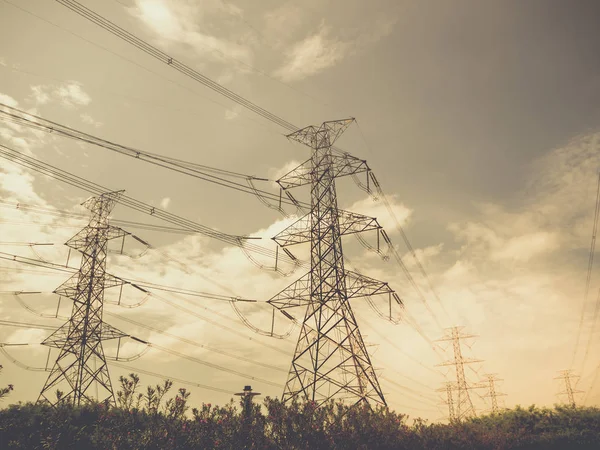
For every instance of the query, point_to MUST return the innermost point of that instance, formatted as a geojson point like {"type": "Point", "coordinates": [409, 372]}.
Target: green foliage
{"type": "Point", "coordinates": [149, 422]}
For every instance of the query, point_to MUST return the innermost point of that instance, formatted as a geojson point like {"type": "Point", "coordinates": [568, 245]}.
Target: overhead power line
{"type": "Point", "coordinates": [587, 287]}
{"type": "Point", "coordinates": [174, 63]}
{"type": "Point", "coordinates": [95, 189]}
{"type": "Point", "coordinates": [163, 57]}
{"type": "Point", "coordinates": [200, 171]}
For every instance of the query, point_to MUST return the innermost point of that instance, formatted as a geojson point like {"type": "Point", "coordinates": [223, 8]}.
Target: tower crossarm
{"type": "Point", "coordinates": [60, 337]}
{"type": "Point", "coordinates": [323, 136]}
{"type": "Point", "coordinates": [296, 294]}
{"type": "Point", "coordinates": [70, 288]}
{"type": "Point", "coordinates": [357, 285]}
{"type": "Point", "coordinates": [300, 231]}
{"type": "Point", "coordinates": [81, 240]}
{"type": "Point", "coordinates": [463, 361]}
{"type": "Point", "coordinates": [341, 166]}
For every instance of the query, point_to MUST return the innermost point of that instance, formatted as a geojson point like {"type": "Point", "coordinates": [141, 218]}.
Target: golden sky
{"type": "Point", "coordinates": [479, 119]}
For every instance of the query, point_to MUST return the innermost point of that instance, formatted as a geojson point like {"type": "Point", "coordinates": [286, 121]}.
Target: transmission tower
{"type": "Point", "coordinates": [464, 405]}
{"type": "Point", "coordinates": [81, 362]}
{"type": "Point", "coordinates": [330, 360]}
{"type": "Point", "coordinates": [448, 387]}
{"type": "Point", "coordinates": [567, 376]}
{"type": "Point", "coordinates": [490, 384]}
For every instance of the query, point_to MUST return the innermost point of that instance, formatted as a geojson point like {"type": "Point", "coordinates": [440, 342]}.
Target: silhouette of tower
{"type": "Point", "coordinates": [464, 405]}
{"type": "Point", "coordinates": [330, 360]}
{"type": "Point", "coordinates": [81, 363]}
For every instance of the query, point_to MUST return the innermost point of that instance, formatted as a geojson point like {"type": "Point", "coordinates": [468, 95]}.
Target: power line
{"type": "Point", "coordinates": [196, 344]}
{"type": "Point", "coordinates": [122, 366]}
{"type": "Point", "coordinates": [172, 62]}
{"type": "Point", "coordinates": [587, 287]}
{"type": "Point", "coordinates": [203, 172]}
{"type": "Point", "coordinates": [81, 183]}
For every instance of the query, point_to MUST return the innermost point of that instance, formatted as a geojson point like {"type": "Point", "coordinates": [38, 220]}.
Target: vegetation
{"type": "Point", "coordinates": [150, 421]}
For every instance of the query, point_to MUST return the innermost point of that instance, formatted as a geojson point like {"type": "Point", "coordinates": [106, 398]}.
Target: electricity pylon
{"type": "Point", "coordinates": [448, 387]}
{"type": "Point", "coordinates": [567, 376]}
{"type": "Point", "coordinates": [331, 359]}
{"type": "Point", "coordinates": [490, 384]}
{"type": "Point", "coordinates": [81, 361]}
{"type": "Point", "coordinates": [464, 405]}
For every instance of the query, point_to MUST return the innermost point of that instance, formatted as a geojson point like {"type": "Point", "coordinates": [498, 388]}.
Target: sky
{"type": "Point", "coordinates": [479, 119]}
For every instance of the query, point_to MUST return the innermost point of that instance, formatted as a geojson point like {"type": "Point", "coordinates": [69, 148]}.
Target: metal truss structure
{"type": "Point", "coordinates": [567, 376]}
{"type": "Point", "coordinates": [490, 384]}
{"type": "Point", "coordinates": [331, 359]}
{"type": "Point", "coordinates": [463, 406]}
{"type": "Point", "coordinates": [447, 388]}
{"type": "Point", "coordinates": [81, 364]}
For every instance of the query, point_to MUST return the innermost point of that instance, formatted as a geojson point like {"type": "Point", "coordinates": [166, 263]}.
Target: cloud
{"type": "Point", "coordinates": [164, 203]}
{"type": "Point", "coordinates": [8, 100]}
{"type": "Point", "coordinates": [276, 173]}
{"type": "Point", "coordinates": [86, 118]}
{"type": "Point", "coordinates": [378, 209]}
{"type": "Point", "coordinates": [312, 55]}
{"type": "Point", "coordinates": [70, 94]}
{"type": "Point", "coordinates": [322, 50]}
{"type": "Point", "coordinates": [283, 22]}
{"type": "Point", "coordinates": [523, 248]}
{"type": "Point", "coordinates": [232, 113]}
{"type": "Point", "coordinates": [40, 95]}
{"type": "Point", "coordinates": [186, 22]}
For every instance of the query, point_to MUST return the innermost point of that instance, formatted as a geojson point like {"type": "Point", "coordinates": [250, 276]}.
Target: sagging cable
{"type": "Point", "coordinates": [257, 330]}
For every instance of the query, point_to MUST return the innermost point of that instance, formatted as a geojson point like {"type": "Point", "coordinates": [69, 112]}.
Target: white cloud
{"type": "Point", "coordinates": [8, 100]}
{"type": "Point", "coordinates": [232, 113]}
{"type": "Point", "coordinates": [40, 94]}
{"type": "Point", "coordinates": [378, 209]}
{"type": "Point", "coordinates": [276, 173]}
{"type": "Point", "coordinates": [523, 248]}
{"type": "Point", "coordinates": [72, 94]}
{"type": "Point", "coordinates": [322, 50]}
{"type": "Point", "coordinates": [164, 203]}
{"type": "Point", "coordinates": [86, 118]}
{"type": "Point", "coordinates": [181, 22]}
{"type": "Point", "coordinates": [283, 22]}
{"type": "Point", "coordinates": [312, 55]}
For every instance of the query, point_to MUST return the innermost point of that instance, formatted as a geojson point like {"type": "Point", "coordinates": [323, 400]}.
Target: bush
{"type": "Point", "coordinates": [151, 422]}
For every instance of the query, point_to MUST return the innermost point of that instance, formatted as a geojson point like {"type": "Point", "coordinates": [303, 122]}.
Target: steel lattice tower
{"type": "Point", "coordinates": [490, 384]}
{"type": "Point", "coordinates": [81, 362]}
{"type": "Point", "coordinates": [448, 387]}
{"type": "Point", "coordinates": [567, 376]}
{"type": "Point", "coordinates": [464, 405]}
{"type": "Point", "coordinates": [330, 360]}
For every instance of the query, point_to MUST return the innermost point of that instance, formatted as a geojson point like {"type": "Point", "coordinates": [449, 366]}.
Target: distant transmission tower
{"type": "Point", "coordinates": [448, 387]}
{"type": "Point", "coordinates": [81, 362]}
{"type": "Point", "coordinates": [330, 360]}
{"type": "Point", "coordinates": [464, 405]}
{"type": "Point", "coordinates": [567, 376]}
{"type": "Point", "coordinates": [490, 384]}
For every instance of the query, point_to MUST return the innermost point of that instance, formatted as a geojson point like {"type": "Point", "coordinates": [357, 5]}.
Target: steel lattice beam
{"type": "Point", "coordinates": [81, 362]}
{"type": "Point", "coordinates": [331, 359]}
{"type": "Point", "coordinates": [463, 406]}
